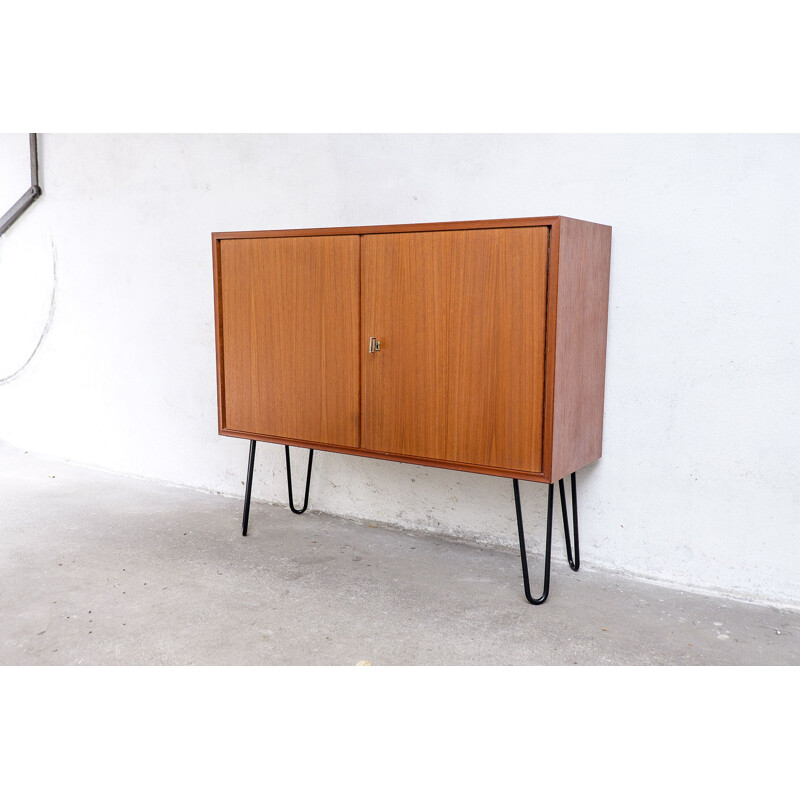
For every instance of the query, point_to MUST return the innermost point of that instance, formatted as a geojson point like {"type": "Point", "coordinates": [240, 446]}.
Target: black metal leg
{"type": "Point", "coordinates": [248, 487]}
{"type": "Point", "coordinates": [539, 600]}
{"type": "Point", "coordinates": [574, 564]}
{"type": "Point", "coordinates": [289, 477]}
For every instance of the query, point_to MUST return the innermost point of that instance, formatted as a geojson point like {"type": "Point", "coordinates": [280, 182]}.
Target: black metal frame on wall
{"type": "Point", "coordinates": [30, 195]}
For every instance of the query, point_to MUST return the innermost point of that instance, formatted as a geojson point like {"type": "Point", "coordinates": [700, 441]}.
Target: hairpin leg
{"type": "Point", "coordinates": [539, 600]}
{"type": "Point", "coordinates": [289, 477]}
{"type": "Point", "coordinates": [248, 487]}
{"type": "Point", "coordinates": [573, 563]}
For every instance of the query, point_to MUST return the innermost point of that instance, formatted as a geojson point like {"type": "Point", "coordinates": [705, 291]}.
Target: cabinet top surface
{"type": "Point", "coordinates": [406, 228]}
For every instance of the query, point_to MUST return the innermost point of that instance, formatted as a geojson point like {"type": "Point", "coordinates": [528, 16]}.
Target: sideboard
{"type": "Point", "coordinates": [476, 346]}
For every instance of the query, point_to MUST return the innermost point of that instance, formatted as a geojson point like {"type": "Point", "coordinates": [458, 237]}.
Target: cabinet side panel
{"type": "Point", "coordinates": [289, 327]}
{"type": "Point", "coordinates": [581, 325]}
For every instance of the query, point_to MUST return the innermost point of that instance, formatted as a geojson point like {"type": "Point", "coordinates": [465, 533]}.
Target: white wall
{"type": "Point", "coordinates": [698, 483]}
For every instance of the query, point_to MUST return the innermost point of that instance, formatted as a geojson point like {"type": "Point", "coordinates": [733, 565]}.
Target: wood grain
{"type": "Point", "coordinates": [425, 462]}
{"type": "Point", "coordinates": [522, 366]}
{"type": "Point", "coordinates": [289, 315]}
{"type": "Point", "coordinates": [461, 318]}
{"type": "Point", "coordinates": [549, 348]}
{"type": "Point", "coordinates": [414, 227]}
{"type": "Point", "coordinates": [496, 340]}
{"type": "Point", "coordinates": [404, 302]}
{"type": "Point", "coordinates": [580, 345]}
{"type": "Point", "coordinates": [215, 246]}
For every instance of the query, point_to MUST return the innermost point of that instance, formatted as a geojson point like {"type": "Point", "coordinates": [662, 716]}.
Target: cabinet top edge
{"type": "Point", "coordinates": [404, 228]}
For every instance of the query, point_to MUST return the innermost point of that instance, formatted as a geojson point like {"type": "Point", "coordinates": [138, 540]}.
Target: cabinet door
{"type": "Point", "coordinates": [460, 316]}
{"type": "Point", "coordinates": [289, 330]}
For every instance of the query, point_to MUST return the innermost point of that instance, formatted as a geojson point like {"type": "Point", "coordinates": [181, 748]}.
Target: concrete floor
{"type": "Point", "coordinates": [100, 569]}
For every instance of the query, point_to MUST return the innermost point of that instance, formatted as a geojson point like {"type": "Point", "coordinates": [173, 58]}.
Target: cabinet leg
{"type": "Point", "coordinates": [248, 487]}
{"type": "Point", "coordinates": [289, 478]}
{"type": "Point", "coordinates": [574, 563]}
{"type": "Point", "coordinates": [523, 555]}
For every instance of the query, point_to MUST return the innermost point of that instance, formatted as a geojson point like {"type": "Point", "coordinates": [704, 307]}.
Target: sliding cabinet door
{"type": "Point", "coordinates": [289, 327]}
{"type": "Point", "coordinates": [461, 317]}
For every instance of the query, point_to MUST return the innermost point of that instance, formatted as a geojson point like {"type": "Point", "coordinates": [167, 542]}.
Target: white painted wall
{"type": "Point", "coordinates": [699, 480]}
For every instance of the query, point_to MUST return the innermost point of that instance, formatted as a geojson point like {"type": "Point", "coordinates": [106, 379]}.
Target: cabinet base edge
{"type": "Point", "coordinates": [536, 477]}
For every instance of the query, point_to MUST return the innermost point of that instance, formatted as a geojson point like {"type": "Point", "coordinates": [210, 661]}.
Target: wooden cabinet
{"type": "Point", "coordinates": [477, 346]}
{"type": "Point", "coordinates": [492, 342]}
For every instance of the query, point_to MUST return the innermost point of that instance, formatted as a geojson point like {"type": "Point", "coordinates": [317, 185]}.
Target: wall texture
{"type": "Point", "coordinates": [698, 484]}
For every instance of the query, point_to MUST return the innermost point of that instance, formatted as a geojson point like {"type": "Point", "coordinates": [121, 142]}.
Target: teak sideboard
{"type": "Point", "coordinates": [476, 346]}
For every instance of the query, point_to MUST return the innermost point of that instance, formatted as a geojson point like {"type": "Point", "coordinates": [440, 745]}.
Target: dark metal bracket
{"type": "Point", "coordinates": [249, 485]}
{"type": "Point", "coordinates": [27, 199]}
{"type": "Point", "coordinates": [574, 563]}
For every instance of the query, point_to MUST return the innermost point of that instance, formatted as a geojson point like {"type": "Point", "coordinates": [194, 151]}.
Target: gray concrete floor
{"type": "Point", "coordinates": [101, 569]}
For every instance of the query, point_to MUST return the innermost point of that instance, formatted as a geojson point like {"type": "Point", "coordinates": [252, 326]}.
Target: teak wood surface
{"type": "Point", "coordinates": [290, 337]}
{"type": "Point", "coordinates": [580, 344]}
{"type": "Point", "coordinates": [493, 338]}
{"type": "Point", "coordinates": [461, 320]}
